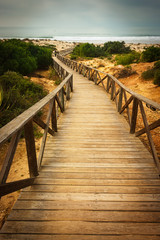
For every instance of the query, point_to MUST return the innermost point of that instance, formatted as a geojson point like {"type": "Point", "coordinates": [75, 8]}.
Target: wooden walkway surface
{"type": "Point", "coordinates": [97, 182]}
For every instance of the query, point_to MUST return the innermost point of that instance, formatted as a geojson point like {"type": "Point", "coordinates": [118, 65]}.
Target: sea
{"type": "Point", "coordinates": [21, 33]}
{"type": "Point", "coordinates": [103, 39]}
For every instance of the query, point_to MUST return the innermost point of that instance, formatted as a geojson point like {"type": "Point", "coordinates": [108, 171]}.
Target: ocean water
{"type": "Point", "coordinates": [98, 39]}
{"type": "Point", "coordinates": [41, 33]}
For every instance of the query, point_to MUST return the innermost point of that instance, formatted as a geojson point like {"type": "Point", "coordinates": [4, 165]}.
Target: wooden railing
{"type": "Point", "coordinates": [125, 100]}
{"type": "Point", "coordinates": [24, 122]}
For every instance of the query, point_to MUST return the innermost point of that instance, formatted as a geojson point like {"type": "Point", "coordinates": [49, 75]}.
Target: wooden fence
{"type": "Point", "coordinates": [125, 100]}
{"type": "Point", "coordinates": [12, 131]}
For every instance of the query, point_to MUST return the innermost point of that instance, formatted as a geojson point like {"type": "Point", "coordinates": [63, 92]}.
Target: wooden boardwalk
{"type": "Point", "coordinates": [97, 181]}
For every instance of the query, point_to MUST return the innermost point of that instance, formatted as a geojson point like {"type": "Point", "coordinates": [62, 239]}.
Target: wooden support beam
{"type": "Point", "coordinates": [120, 99]}
{"type": "Point", "coordinates": [54, 117]}
{"type": "Point", "coordinates": [126, 104]}
{"type": "Point", "coordinates": [40, 123]}
{"type": "Point", "coordinates": [59, 103]}
{"type": "Point", "coordinates": [151, 127]}
{"type": "Point", "coordinates": [151, 143]}
{"type": "Point", "coordinates": [112, 89]}
{"type": "Point", "coordinates": [134, 116]}
{"type": "Point", "coordinates": [102, 80]}
{"type": "Point", "coordinates": [45, 133]}
{"type": "Point", "coordinates": [15, 186]}
{"type": "Point", "coordinates": [31, 149]}
{"type": "Point", "coordinates": [9, 157]}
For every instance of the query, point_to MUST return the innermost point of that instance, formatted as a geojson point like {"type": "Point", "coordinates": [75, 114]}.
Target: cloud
{"type": "Point", "coordinates": [97, 16]}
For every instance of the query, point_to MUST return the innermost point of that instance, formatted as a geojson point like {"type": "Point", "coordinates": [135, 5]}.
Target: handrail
{"type": "Point", "coordinates": [56, 100]}
{"type": "Point", "coordinates": [123, 97]}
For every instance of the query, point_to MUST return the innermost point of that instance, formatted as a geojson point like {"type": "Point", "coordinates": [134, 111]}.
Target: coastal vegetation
{"type": "Point", "coordinates": [154, 73]}
{"type": "Point", "coordinates": [120, 54]}
{"type": "Point", "coordinates": [129, 58]}
{"type": "Point", "coordinates": [19, 93]}
{"type": "Point", "coordinates": [19, 59]}
{"type": "Point", "coordinates": [88, 50]}
{"type": "Point", "coordinates": [22, 57]}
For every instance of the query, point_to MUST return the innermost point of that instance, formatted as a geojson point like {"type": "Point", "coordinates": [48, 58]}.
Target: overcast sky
{"type": "Point", "coordinates": [97, 17]}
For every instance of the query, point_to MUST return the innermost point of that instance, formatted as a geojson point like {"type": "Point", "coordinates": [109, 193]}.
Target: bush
{"type": "Point", "coordinates": [156, 80]}
{"type": "Point", "coordinates": [115, 47]}
{"type": "Point", "coordinates": [153, 73]}
{"type": "Point", "coordinates": [148, 74]}
{"type": "Point", "coordinates": [127, 59]}
{"type": "Point", "coordinates": [151, 54]}
{"type": "Point", "coordinates": [22, 57]}
{"type": "Point", "coordinates": [18, 94]}
{"type": "Point", "coordinates": [73, 57]}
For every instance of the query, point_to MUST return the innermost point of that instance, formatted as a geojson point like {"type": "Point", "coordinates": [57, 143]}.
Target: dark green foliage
{"type": "Point", "coordinates": [18, 94]}
{"type": "Point", "coordinates": [115, 47]}
{"type": "Point", "coordinates": [157, 77]}
{"type": "Point", "coordinates": [18, 56]}
{"type": "Point", "coordinates": [151, 54]}
{"type": "Point", "coordinates": [128, 58]}
{"type": "Point", "coordinates": [73, 57]}
{"type": "Point", "coordinates": [90, 50]}
{"type": "Point", "coordinates": [148, 74]}
{"type": "Point", "coordinates": [153, 73]}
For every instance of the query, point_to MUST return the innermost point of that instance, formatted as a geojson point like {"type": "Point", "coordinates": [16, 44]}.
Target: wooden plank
{"type": "Point", "coordinates": [84, 215]}
{"type": "Point", "coordinates": [91, 197]}
{"type": "Point", "coordinates": [77, 237]}
{"type": "Point", "coordinates": [87, 205]}
{"type": "Point", "coordinates": [97, 182]}
{"type": "Point", "coordinates": [99, 170]}
{"type": "Point", "coordinates": [66, 227]}
{"type": "Point", "coordinates": [95, 189]}
{"type": "Point", "coordinates": [96, 175]}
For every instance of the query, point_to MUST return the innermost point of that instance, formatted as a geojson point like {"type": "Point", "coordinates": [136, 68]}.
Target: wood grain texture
{"type": "Point", "coordinates": [97, 181]}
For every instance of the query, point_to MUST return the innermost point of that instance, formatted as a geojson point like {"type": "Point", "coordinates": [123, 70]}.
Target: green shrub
{"type": "Point", "coordinates": [156, 80]}
{"type": "Point", "coordinates": [157, 65]}
{"type": "Point", "coordinates": [73, 57]}
{"type": "Point", "coordinates": [127, 59]}
{"type": "Point", "coordinates": [151, 54]}
{"type": "Point", "coordinates": [115, 47]}
{"type": "Point", "coordinates": [52, 72]}
{"type": "Point", "coordinates": [18, 94]}
{"type": "Point", "coordinates": [22, 57]}
{"type": "Point", "coordinates": [153, 73]}
{"type": "Point", "coordinates": [148, 74]}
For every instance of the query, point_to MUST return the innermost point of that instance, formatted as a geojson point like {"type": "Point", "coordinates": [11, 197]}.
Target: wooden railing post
{"type": "Point", "coordinates": [54, 116]}
{"type": "Point", "coordinates": [31, 149]}
{"type": "Point", "coordinates": [120, 99]}
{"type": "Point", "coordinates": [112, 89]}
{"type": "Point", "coordinates": [61, 96]}
{"type": "Point", "coordinates": [67, 91]}
{"type": "Point", "coordinates": [9, 157]}
{"type": "Point", "coordinates": [150, 140]}
{"type": "Point", "coordinates": [134, 116]}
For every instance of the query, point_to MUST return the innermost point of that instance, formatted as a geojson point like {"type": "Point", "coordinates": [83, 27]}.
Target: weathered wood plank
{"type": "Point", "coordinates": [84, 215]}
{"type": "Point", "coordinates": [77, 237]}
{"type": "Point", "coordinates": [67, 227]}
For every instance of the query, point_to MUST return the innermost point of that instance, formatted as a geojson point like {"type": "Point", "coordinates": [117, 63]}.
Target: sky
{"type": "Point", "coordinates": [80, 17]}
